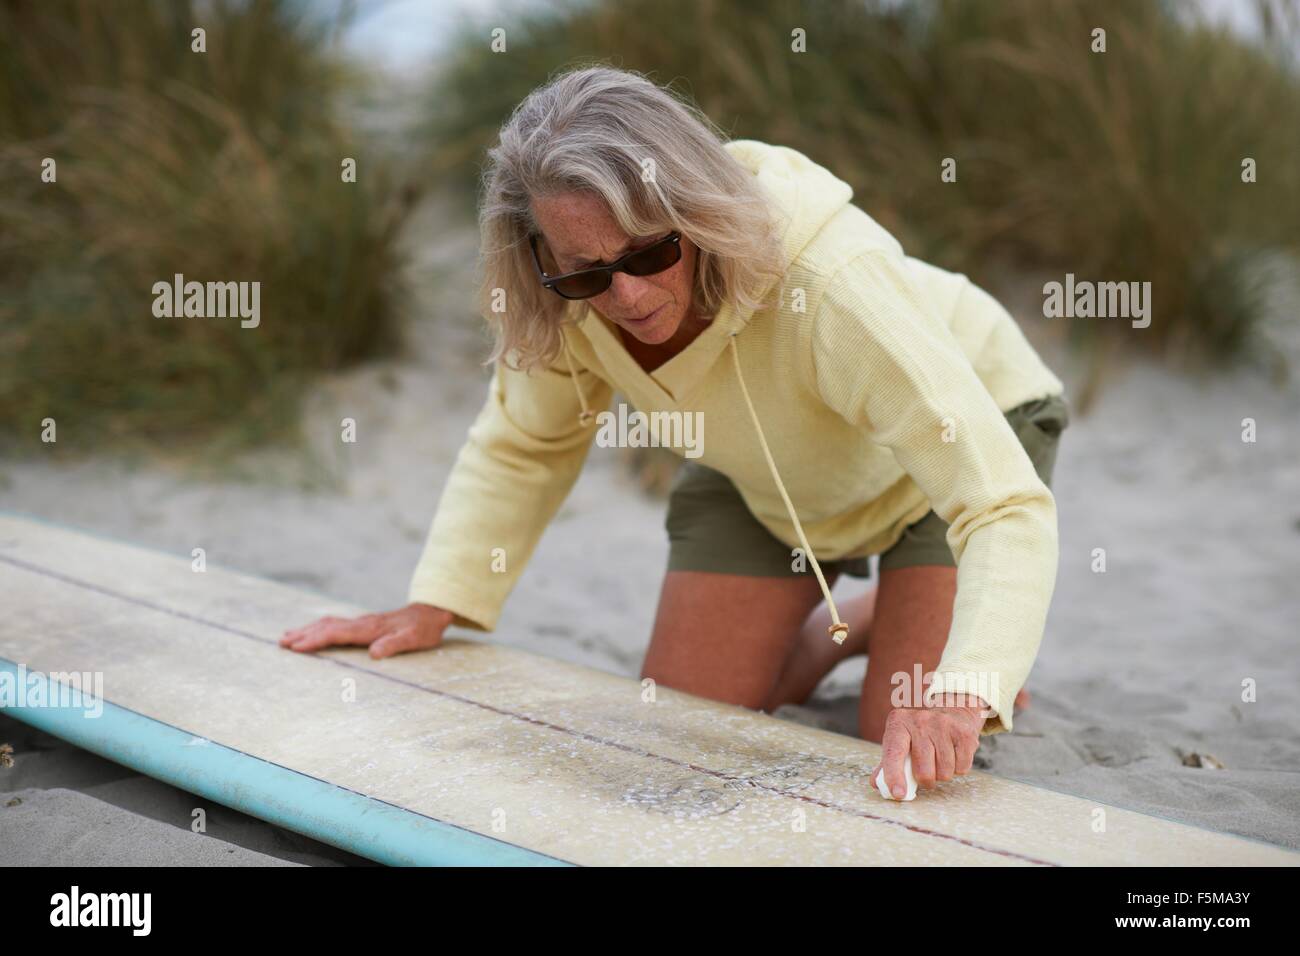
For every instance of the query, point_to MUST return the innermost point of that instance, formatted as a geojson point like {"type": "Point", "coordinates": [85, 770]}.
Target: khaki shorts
{"type": "Point", "coordinates": [710, 528]}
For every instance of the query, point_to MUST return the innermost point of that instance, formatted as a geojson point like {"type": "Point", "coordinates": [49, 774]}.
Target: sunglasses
{"type": "Point", "coordinates": [585, 283]}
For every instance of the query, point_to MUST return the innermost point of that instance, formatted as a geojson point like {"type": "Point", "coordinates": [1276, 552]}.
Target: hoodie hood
{"type": "Point", "coordinates": [804, 195]}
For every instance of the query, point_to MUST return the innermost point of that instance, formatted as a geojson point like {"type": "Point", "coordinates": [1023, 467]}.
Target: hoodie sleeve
{"type": "Point", "coordinates": [885, 362]}
{"type": "Point", "coordinates": [520, 459]}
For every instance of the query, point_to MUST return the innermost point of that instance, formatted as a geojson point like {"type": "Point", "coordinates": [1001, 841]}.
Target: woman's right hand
{"type": "Point", "coordinates": [416, 627]}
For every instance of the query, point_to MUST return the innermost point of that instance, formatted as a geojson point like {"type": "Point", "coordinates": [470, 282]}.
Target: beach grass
{"type": "Point", "coordinates": [221, 166]}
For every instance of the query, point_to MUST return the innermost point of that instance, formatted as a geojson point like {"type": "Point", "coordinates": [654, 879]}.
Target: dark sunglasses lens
{"type": "Point", "coordinates": [583, 286]}
{"type": "Point", "coordinates": [655, 259]}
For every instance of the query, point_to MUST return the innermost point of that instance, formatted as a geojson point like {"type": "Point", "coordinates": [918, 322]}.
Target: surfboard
{"type": "Point", "coordinates": [480, 754]}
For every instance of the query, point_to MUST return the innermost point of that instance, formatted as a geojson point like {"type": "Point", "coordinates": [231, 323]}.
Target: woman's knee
{"type": "Point", "coordinates": [727, 636]}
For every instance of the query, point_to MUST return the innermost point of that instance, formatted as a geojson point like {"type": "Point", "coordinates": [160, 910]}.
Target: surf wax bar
{"type": "Point", "coordinates": [911, 782]}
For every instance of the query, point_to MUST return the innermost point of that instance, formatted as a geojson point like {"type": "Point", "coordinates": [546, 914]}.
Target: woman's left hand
{"type": "Point", "coordinates": [941, 738]}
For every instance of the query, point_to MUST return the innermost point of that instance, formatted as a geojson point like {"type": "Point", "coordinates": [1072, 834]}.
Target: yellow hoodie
{"type": "Point", "coordinates": [879, 382]}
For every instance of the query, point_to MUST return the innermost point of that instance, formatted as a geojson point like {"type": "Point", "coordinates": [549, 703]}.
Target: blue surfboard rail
{"type": "Point", "coordinates": [316, 808]}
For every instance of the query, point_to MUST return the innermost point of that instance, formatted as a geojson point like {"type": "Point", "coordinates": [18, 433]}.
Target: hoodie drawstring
{"type": "Point", "coordinates": [838, 630]}
{"type": "Point", "coordinates": [585, 415]}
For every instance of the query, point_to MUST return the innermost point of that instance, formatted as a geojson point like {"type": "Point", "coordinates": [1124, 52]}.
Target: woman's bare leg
{"type": "Point", "coordinates": [762, 642]}
{"type": "Point", "coordinates": [727, 636]}
{"type": "Point", "coordinates": [815, 654]}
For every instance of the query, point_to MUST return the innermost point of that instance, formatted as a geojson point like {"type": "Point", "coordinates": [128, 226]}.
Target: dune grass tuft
{"type": "Point", "coordinates": [223, 166]}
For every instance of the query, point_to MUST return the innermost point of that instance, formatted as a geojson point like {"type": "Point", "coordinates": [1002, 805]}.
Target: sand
{"type": "Point", "coordinates": [1141, 666]}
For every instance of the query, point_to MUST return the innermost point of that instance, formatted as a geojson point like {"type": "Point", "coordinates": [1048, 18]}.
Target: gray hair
{"type": "Point", "coordinates": [591, 130]}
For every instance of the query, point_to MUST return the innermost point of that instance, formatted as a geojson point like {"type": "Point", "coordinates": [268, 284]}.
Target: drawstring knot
{"type": "Point", "coordinates": [586, 415]}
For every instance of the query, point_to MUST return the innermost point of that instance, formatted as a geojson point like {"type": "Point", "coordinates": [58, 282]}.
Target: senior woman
{"type": "Point", "coordinates": [858, 402]}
